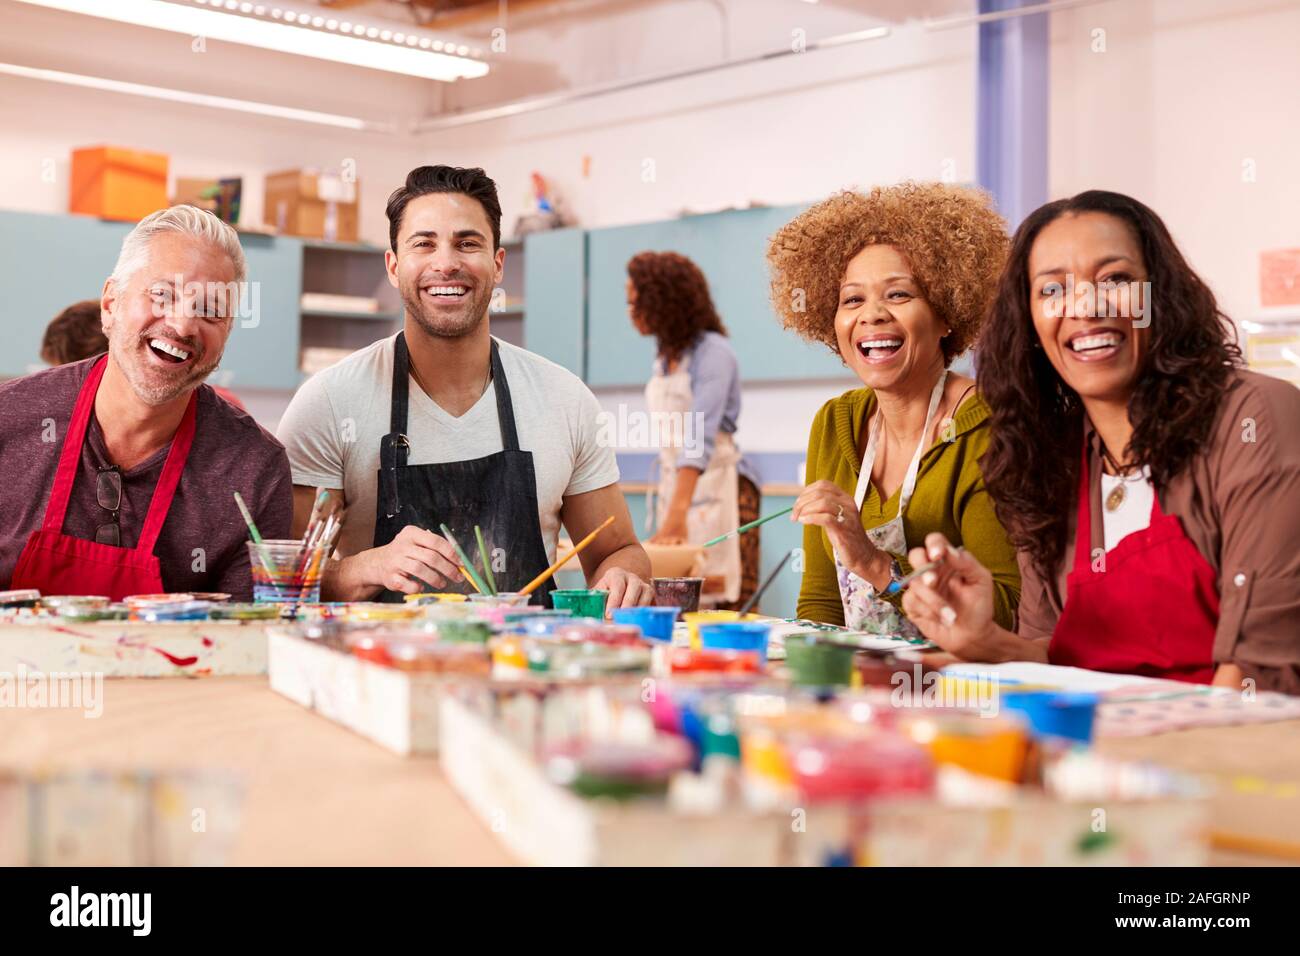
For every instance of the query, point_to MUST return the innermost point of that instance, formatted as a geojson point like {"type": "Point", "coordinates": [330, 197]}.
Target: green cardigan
{"type": "Point", "coordinates": [949, 498]}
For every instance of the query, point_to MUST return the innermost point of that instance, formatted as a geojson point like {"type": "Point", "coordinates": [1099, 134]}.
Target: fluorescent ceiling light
{"type": "Point", "coordinates": [195, 99]}
{"type": "Point", "coordinates": [217, 24]}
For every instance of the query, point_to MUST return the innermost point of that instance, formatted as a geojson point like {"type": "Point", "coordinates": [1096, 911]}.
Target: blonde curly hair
{"type": "Point", "coordinates": [955, 241]}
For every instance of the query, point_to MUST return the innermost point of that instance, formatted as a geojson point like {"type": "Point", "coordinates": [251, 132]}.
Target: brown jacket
{"type": "Point", "coordinates": [1239, 503]}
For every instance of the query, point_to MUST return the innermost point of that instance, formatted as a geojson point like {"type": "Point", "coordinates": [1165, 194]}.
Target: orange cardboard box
{"type": "Point", "coordinates": [115, 183]}
{"type": "Point", "coordinates": [315, 205]}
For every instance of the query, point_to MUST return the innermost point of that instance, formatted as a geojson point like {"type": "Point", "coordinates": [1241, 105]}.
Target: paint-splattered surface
{"type": "Point", "coordinates": [129, 649]}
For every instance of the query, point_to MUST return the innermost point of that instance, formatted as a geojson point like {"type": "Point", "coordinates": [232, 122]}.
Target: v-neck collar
{"type": "Point", "coordinates": [426, 405]}
{"type": "Point", "coordinates": [852, 416]}
{"type": "Point", "coordinates": [95, 436]}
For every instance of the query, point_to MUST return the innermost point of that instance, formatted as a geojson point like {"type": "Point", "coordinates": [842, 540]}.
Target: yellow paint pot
{"type": "Point", "coordinates": [435, 598]}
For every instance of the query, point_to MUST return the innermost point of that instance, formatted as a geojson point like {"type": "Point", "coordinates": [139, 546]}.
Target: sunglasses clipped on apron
{"type": "Point", "coordinates": [498, 493]}
{"type": "Point", "coordinates": [56, 563]}
{"type": "Point", "coordinates": [863, 610]}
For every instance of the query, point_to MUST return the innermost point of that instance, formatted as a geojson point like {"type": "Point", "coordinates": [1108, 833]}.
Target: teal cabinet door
{"type": "Point", "coordinates": [262, 351]}
{"type": "Point", "coordinates": [730, 248]}
{"type": "Point", "coordinates": [48, 262]}
{"type": "Point", "coordinates": [555, 272]}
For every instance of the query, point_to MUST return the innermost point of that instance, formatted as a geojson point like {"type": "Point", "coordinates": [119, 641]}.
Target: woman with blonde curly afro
{"type": "Point", "coordinates": [896, 282]}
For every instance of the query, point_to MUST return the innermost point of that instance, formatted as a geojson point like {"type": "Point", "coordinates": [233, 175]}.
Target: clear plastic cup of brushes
{"type": "Point", "coordinates": [284, 572]}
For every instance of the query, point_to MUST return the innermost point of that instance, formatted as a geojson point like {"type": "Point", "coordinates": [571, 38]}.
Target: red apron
{"type": "Point", "coordinates": [1152, 611]}
{"type": "Point", "coordinates": [56, 563]}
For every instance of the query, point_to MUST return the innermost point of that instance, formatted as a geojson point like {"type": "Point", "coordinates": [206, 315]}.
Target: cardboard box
{"type": "Point", "coordinates": [312, 204]}
{"type": "Point", "coordinates": [115, 183]}
{"type": "Point", "coordinates": [221, 197]}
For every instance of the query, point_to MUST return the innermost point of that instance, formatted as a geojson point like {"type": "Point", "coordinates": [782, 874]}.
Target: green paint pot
{"type": "Point", "coordinates": [816, 662]}
{"type": "Point", "coordinates": [581, 602]}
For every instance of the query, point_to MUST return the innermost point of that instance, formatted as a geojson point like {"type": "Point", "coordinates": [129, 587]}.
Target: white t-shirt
{"type": "Point", "coordinates": [1133, 514]}
{"type": "Point", "coordinates": [334, 424]}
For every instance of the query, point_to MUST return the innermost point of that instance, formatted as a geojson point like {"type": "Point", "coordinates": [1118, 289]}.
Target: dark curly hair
{"type": "Point", "coordinates": [74, 334]}
{"type": "Point", "coordinates": [1031, 468]}
{"type": "Point", "coordinates": [952, 237]}
{"type": "Point", "coordinates": [672, 299]}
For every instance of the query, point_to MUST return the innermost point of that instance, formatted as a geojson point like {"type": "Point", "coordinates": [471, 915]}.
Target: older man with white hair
{"type": "Point", "coordinates": [118, 472]}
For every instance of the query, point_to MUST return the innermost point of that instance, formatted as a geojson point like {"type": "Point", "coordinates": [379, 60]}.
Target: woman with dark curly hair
{"type": "Point", "coordinates": [705, 487]}
{"type": "Point", "coordinates": [1150, 483]}
{"type": "Point", "coordinates": [895, 282]}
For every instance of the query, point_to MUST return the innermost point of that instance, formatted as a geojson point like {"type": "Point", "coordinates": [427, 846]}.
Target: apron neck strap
{"type": "Point", "coordinates": [505, 408]}
{"type": "Point", "coordinates": [170, 477]}
{"type": "Point", "coordinates": [1083, 523]}
{"type": "Point", "coordinates": [56, 509]}
{"type": "Point", "coordinates": [914, 468]}
{"type": "Point", "coordinates": [401, 386]}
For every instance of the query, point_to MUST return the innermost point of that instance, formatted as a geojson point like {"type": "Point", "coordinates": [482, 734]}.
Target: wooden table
{"type": "Point", "coordinates": [1255, 770]}
{"type": "Point", "coordinates": [318, 794]}
{"type": "Point", "coordinates": [315, 792]}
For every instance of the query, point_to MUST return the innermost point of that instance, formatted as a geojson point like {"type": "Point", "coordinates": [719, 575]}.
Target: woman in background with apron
{"type": "Point", "coordinates": [704, 488]}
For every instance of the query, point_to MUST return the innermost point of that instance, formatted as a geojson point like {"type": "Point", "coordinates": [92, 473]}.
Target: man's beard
{"type": "Point", "coordinates": [150, 383]}
{"type": "Point", "coordinates": [447, 325]}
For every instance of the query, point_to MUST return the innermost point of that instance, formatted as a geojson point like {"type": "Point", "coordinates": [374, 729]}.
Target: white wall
{"type": "Point", "coordinates": [781, 131]}
{"type": "Point", "coordinates": [1193, 108]}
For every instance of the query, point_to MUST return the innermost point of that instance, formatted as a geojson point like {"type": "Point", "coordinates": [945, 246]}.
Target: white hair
{"type": "Point", "coordinates": [187, 220]}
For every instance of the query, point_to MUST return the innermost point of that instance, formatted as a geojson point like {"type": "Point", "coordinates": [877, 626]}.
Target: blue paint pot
{"type": "Point", "coordinates": [736, 636]}
{"type": "Point", "coordinates": [1051, 713]}
{"type": "Point", "coordinates": [656, 623]}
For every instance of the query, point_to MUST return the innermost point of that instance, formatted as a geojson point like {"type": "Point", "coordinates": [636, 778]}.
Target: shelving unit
{"type": "Point", "coordinates": [357, 269]}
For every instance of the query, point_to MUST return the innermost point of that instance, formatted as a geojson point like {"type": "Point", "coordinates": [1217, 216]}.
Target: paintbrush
{"type": "Point", "coordinates": [467, 565]}
{"type": "Point", "coordinates": [487, 564]}
{"type": "Point", "coordinates": [753, 599]}
{"type": "Point", "coordinates": [321, 497]}
{"type": "Point", "coordinates": [532, 585]}
{"type": "Point", "coordinates": [248, 518]}
{"type": "Point", "coordinates": [745, 527]}
{"type": "Point", "coordinates": [469, 579]}
{"type": "Point", "coordinates": [895, 586]}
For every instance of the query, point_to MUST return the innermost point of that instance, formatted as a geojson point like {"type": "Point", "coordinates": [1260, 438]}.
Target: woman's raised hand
{"type": "Point", "coordinates": [952, 604]}
{"type": "Point", "coordinates": [829, 506]}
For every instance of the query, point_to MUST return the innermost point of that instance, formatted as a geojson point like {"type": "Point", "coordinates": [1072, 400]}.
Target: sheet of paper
{"type": "Point", "coordinates": [1060, 678]}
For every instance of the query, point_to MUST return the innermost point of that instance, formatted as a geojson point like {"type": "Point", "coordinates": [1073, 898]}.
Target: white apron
{"type": "Point", "coordinates": [863, 611]}
{"type": "Point", "coordinates": [715, 506]}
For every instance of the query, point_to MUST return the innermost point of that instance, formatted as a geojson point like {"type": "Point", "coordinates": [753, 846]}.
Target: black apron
{"type": "Point", "coordinates": [498, 493]}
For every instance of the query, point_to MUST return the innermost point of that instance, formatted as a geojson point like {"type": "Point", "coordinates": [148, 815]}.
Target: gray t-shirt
{"type": "Point", "coordinates": [202, 545]}
{"type": "Point", "coordinates": [333, 427]}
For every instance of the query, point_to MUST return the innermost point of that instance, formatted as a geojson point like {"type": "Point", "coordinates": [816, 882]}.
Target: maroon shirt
{"type": "Point", "coordinates": [202, 545]}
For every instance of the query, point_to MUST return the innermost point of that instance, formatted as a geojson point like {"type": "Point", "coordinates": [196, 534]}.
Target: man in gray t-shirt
{"type": "Point", "coordinates": [445, 426]}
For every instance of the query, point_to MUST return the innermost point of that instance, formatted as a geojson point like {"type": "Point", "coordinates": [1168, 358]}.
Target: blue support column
{"type": "Point", "coordinates": [1011, 134]}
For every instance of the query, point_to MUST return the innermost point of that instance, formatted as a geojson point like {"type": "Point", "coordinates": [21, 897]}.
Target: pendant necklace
{"type": "Point", "coordinates": [1115, 498]}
